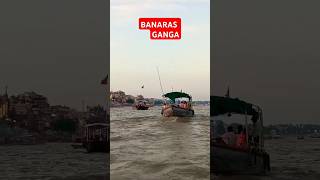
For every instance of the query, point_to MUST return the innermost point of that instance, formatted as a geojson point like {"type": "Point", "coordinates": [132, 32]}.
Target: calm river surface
{"type": "Point", "coordinates": [147, 146]}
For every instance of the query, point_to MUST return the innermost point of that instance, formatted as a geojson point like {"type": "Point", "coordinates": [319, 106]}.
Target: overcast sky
{"type": "Point", "coordinates": [57, 48]}
{"type": "Point", "coordinates": [268, 53]}
{"type": "Point", "coordinates": [183, 64]}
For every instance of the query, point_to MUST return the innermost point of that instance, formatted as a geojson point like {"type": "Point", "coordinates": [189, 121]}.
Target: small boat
{"type": "Point", "coordinates": [249, 158]}
{"type": "Point", "coordinates": [315, 135]}
{"type": "Point", "coordinates": [141, 105]}
{"type": "Point", "coordinates": [182, 109]}
{"type": "Point", "coordinates": [95, 137]}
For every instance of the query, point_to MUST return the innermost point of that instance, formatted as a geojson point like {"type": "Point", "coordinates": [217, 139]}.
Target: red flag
{"type": "Point", "coordinates": [105, 80]}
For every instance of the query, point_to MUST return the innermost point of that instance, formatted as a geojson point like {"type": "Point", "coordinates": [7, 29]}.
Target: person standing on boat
{"type": "Point", "coordinates": [183, 104]}
{"type": "Point", "coordinates": [241, 137]}
{"type": "Point", "coordinates": [229, 137]}
{"type": "Point", "coordinates": [188, 104]}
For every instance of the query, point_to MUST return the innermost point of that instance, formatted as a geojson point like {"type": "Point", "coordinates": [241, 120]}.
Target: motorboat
{"type": "Point", "coordinates": [179, 104]}
{"type": "Point", "coordinates": [231, 159]}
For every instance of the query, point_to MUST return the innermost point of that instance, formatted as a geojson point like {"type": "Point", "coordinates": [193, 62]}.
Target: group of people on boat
{"type": "Point", "coordinates": [184, 105]}
{"type": "Point", "coordinates": [235, 139]}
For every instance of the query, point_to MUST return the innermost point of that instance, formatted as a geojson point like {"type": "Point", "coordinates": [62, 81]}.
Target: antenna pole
{"type": "Point", "coordinates": [160, 80]}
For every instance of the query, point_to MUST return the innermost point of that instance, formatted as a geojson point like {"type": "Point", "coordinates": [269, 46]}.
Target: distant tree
{"type": "Point", "coordinates": [130, 101]}
{"type": "Point", "coordinates": [67, 125]}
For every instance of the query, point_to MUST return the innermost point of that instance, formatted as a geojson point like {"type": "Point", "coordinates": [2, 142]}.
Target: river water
{"type": "Point", "coordinates": [52, 161]}
{"type": "Point", "coordinates": [147, 146]}
{"type": "Point", "coordinates": [291, 159]}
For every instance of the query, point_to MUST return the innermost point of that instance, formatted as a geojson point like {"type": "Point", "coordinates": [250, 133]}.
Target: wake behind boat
{"type": "Point", "coordinates": [179, 105]}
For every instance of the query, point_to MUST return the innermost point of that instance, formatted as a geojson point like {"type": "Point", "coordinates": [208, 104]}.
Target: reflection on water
{"type": "Point", "coordinates": [145, 145]}
{"type": "Point", "coordinates": [51, 161]}
{"type": "Point", "coordinates": [291, 159]}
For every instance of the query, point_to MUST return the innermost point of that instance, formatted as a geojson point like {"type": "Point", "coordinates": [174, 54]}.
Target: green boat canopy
{"type": "Point", "coordinates": [224, 105]}
{"type": "Point", "coordinates": [174, 95]}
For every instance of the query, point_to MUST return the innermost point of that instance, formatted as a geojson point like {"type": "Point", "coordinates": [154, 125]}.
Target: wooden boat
{"type": "Point", "coordinates": [141, 105]}
{"type": "Point", "coordinates": [184, 109]}
{"type": "Point", "coordinates": [228, 159]}
{"type": "Point", "coordinates": [96, 137]}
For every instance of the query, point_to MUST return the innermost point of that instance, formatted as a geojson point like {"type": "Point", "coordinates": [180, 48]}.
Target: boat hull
{"type": "Point", "coordinates": [176, 111]}
{"type": "Point", "coordinates": [226, 160]}
{"type": "Point", "coordinates": [138, 107]}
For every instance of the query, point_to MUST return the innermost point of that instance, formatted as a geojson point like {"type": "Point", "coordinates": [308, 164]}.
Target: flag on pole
{"type": "Point", "coordinates": [105, 80]}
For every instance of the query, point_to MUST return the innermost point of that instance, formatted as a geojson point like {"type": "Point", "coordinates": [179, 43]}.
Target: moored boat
{"type": "Point", "coordinates": [95, 137]}
{"type": "Point", "coordinates": [179, 105]}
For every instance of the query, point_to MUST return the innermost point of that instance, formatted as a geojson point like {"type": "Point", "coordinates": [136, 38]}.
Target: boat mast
{"type": "Point", "coordinates": [261, 133]}
{"type": "Point", "coordinates": [247, 129]}
{"type": "Point", "coordinates": [160, 81]}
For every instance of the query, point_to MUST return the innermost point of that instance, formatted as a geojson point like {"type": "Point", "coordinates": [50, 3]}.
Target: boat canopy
{"type": "Point", "coordinates": [174, 95]}
{"type": "Point", "coordinates": [223, 105]}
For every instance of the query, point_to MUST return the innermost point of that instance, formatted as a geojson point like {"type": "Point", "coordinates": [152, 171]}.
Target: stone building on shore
{"type": "Point", "coordinates": [120, 98]}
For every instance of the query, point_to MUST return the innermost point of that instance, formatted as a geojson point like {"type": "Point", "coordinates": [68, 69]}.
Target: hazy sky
{"type": "Point", "coordinates": [268, 52]}
{"type": "Point", "coordinates": [57, 48]}
{"type": "Point", "coordinates": [183, 64]}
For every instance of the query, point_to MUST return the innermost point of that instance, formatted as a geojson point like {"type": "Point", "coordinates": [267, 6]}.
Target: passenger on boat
{"type": "Point", "coordinates": [229, 137]}
{"type": "Point", "coordinates": [183, 104]}
{"type": "Point", "coordinates": [180, 104]}
{"type": "Point", "coordinates": [241, 137]}
{"type": "Point", "coordinates": [165, 105]}
{"type": "Point", "coordinates": [188, 105]}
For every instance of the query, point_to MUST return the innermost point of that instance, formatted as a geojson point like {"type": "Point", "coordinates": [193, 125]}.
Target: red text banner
{"type": "Point", "coordinates": [162, 28]}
